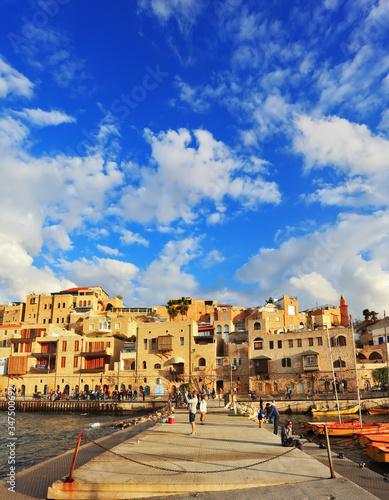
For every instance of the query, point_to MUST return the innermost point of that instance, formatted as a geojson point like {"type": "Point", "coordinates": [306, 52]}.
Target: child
{"type": "Point", "coordinates": [260, 417]}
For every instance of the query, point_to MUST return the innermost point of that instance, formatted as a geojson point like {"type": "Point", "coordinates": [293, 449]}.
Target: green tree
{"type": "Point", "coordinates": [183, 306]}
{"type": "Point", "coordinates": [366, 313]}
{"type": "Point", "coordinates": [380, 375]}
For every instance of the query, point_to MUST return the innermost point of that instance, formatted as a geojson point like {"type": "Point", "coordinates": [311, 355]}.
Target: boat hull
{"type": "Point", "coordinates": [378, 411]}
{"type": "Point", "coordinates": [378, 453]}
{"type": "Point", "coordinates": [335, 413]}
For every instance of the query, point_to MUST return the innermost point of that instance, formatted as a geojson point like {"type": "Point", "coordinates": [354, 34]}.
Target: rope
{"type": "Point", "coordinates": [188, 471]}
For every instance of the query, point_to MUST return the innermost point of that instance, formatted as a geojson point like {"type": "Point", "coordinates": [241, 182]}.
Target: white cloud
{"type": "Point", "coordinates": [213, 257]}
{"type": "Point", "coordinates": [348, 258]}
{"type": "Point", "coordinates": [43, 118]}
{"type": "Point", "coordinates": [108, 250]}
{"type": "Point", "coordinates": [184, 11]}
{"type": "Point", "coordinates": [129, 238]}
{"type": "Point", "coordinates": [187, 175]}
{"type": "Point", "coordinates": [13, 82]}
{"type": "Point", "coordinates": [164, 277]}
{"type": "Point", "coordinates": [114, 276]}
{"type": "Point", "coordinates": [337, 142]}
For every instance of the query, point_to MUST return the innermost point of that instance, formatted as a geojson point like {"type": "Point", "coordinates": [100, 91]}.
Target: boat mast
{"type": "Point", "coordinates": [356, 370]}
{"type": "Point", "coordinates": [333, 374]}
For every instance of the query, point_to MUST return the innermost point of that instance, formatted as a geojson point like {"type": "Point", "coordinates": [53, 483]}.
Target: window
{"type": "Point", "coordinates": [271, 344]}
{"type": "Point", "coordinates": [319, 340]}
{"type": "Point", "coordinates": [286, 362]}
{"type": "Point", "coordinates": [225, 317]}
{"type": "Point", "coordinates": [64, 345]}
{"type": "Point", "coordinates": [279, 344]}
{"type": "Point", "coordinates": [339, 363]}
{"type": "Point", "coordinates": [157, 366]}
{"type": "Point", "coordinates": [202, 362]}
{"type": "Point", "coordinates": [181, 340]}
{"type": "Point", "coordinates": [45, 306]}
{"type": "Point", "coordinates": [153, 343]}
{"type": "Point", "coordinates": [145, 344]}
{"type": "Point", "coordinates": [44, 321]}
{"type": "Point", "coordinates": [63, 320]}
{"type": "Point", "coordinates": [75, 362]}
{"type": "Point", "coordinates": [277, 318]}
{"type": "Point", "coordinates": [219, 362]}
{"type": "Point", "coordinates": [59, 305]}
{"type": "Point", "coordinates": [258, 343]}
{"type": "Point", "coordinates": [341, 340]}
{"type": "Point", "coordinates": [27, 348]}
{"type": "Point", "coordinates": [310, 341]}
{"type": "Point", "coordinates": [144, 365]}
{"type": "Point", "coordinates": [299, 343]}
{"type": "Point", "coordinates": [311, 361]}
{"type": "Point", "coordinates": [291, 310]}
{"type": "Point", "coordinates": [118, 326]}
{"type": "Point", "coordinates": [240, 362]}
{"type": "Point", "coordinates": [290, 342]}
{"type": "Point", "coordinates": [219, 331]}
{"type": "Point", "coordinates": [76, 345]}
{"type": "Point", "coordinates": [234, 362]}
{"type": "Point", "coordinates": [63, 305]}
{"type": "Point", "coordinates": [16, 347]}
{"type": "Point", "coordinates": [91, 326]}
{"type": "Point", "coordinates": [63, 362]}
{"type": "Point", "coordinates": [257, 326]}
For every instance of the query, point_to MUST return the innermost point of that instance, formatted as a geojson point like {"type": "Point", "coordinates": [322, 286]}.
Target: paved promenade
{"type": "Point", "coordinates": [228, 454]}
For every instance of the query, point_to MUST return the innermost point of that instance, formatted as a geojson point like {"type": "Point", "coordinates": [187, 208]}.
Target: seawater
{"type": "Point", "coordinates": [40, 436]}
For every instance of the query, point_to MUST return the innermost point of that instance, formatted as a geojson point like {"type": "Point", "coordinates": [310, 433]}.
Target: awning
{"type": "Point", "coordinates": [309, 353]}
{"type": "Point", "coordinates": [176, 360]}
{"type": "Point", "coordinates": [261, 357]}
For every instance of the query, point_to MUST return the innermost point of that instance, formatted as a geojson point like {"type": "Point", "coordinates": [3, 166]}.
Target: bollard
{"type": "Point", "coordinates": [69, 479]}
{"type": "Point", "coordinates": [329, 452]}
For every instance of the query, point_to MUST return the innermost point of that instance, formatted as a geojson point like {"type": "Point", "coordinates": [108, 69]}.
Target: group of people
{"type": "Point", "coordinates": [271, 415]}
{"type": "Point", "coordinates": [194, 402]}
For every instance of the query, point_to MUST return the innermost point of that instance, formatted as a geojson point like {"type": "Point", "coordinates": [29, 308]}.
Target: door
{"type": "Point", "coordinates": [159, 390]}
{"type": "Point", "coordinates": [147, 390]}
{"type": "Point", "coordinates": [267, 388]}
{"type": "Point", "coordinates": [300, 388]}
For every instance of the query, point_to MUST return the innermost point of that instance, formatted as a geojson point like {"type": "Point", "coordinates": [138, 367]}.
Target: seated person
{"type": "Point", "coordinates": [287, 436]}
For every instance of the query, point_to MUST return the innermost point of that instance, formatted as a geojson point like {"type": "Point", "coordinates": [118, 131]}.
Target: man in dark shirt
{"type": "Point", "coordinates": [271, 411]}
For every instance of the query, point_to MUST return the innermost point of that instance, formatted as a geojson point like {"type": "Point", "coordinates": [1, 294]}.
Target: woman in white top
{"type": "Point", "coordinates": [203, 409]}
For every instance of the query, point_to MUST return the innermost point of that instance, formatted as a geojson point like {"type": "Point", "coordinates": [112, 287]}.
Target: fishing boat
{"type": "Point", "coordinates": [378, 453]}
{"type": "Point", "coordinates": [381, 439]}
{"type": "Point", "coordinates": [349, 410]}
{"type": "Point", "coordinates": [342, 430]}
{"type": "Point", "coordinates": [308, 426]}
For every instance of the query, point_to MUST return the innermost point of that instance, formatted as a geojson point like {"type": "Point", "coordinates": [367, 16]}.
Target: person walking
{"type": "Point", "coordinates": [192, 404]}
{"type": "Point", "coordinates": [203, 409]}
{"type": "Point", "coordinates": [272, 412]}
{"type": "Point", "coordinates": [288, 393]}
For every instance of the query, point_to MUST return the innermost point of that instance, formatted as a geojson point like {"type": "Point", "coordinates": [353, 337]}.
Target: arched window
{"type": "Point", "coordinates": [258, 343]}
{"type": "Point", "coordinates": [375, 355]}
{"type": "Point", "coordinates": [202, 362]}
{"type": "Point", "coordinates": [257, 326]}
{"type": "Point", "coordinates": [226, 331]}
{"type": "Point", "coordinates": [286, 362]}
{"type": "Point", "coordinates": [338, 364]}
{"type": "Point", "coordinates": [219, 331]}
{"type": "Point", "coordinates": [157, 366]}
{"type": "Point", "coordinates": [144, 365]}
{"type": "Point", "coordinates": [341, 340]}
{"type": "Point", "coordinates": [361, 356]}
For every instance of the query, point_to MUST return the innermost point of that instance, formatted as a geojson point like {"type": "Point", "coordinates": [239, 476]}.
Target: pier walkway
{"type": "Point", "coordinates": [228, 454]}
{"type": "Point", "coordinates": [229, 458]}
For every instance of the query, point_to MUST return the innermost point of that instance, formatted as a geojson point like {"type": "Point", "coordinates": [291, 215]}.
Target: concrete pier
{"type": "Point", "coordinates": [230, 457]}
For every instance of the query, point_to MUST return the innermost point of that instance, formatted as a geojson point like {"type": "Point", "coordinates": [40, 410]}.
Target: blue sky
{"type": "Point", "coordinates": [230, 150]}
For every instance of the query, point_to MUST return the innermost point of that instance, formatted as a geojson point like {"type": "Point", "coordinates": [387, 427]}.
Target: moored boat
{"type": "Point", "coordinates": [308, 426]}
{"type": "Point", "coordinates": [379, 439]}
{"type": "Point", "coordinates": [378, 411]}
{"type": "Point", "coordinates": [378, 453]}
{"type": "Point", "coordinates": [349, 410]}
{"type": "Point", "coordinates": [349, 429]}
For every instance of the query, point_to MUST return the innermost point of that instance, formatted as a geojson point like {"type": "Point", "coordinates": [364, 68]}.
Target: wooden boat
{"type": "Point", "coordinates": [378, 453]}
{"type": "Point", "coordinates": [378, 411]}
{"type": "Point", "coordinates": [308, 426]}
{"type": "Point", "coordinates": [333, 413]}
{"type": "Point", "coordinates": [349, 429]}
{"type": "Point", "coordinates": [376, 439]}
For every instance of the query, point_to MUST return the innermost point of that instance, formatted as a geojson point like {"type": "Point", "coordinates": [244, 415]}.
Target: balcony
{"type": "Point", "coordinates": [99, 369]}
{"type": "Point", "coordinates": [95, 354]}
{"type": "Point", "coordinates": [43, 369]}
{"type": "Point", "coordinates": [261, 364]}
{"type": "Point", "coordinates": [310, 361]}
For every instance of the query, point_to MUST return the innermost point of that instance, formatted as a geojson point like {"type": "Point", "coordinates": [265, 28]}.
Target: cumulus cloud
{"type": "Point", "coordinates": [213, 257]}
{"type": "Point", "coordinates": [187, 174]}
{"type": "Point", "coordinates": [108, 250]}
{"type": "Point", "coordinates": [348, 258]}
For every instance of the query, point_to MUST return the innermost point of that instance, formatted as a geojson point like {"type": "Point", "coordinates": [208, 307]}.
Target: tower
{"type": "Point", "coordinates": [343, 312]}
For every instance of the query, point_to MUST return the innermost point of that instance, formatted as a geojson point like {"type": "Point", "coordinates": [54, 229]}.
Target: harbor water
{"type": "Point", "coordinates": [40, 436]}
